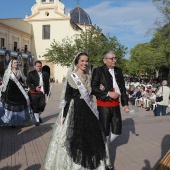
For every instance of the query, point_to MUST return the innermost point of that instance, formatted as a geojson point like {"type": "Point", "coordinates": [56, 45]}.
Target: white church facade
{"type": "Point", "coordinates": [31, 37]}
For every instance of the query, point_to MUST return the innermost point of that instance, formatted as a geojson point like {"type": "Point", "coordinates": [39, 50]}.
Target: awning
{"type": "Point", "coordinates": [2, 52]}
{"type": "Point", "coordinates": [15, 54]}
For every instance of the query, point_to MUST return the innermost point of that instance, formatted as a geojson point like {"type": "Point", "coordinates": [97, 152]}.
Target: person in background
{"type": "Point", "coordinates": [15, 100]}
{"type": "Point", "coordinates": [142, 98]}
{"type": "Point", "coordinates": [164, 90]}
{"type": "Point", "coordinates": [150, 100]}
{"type": "Point", "coordinates": [136, 95]}
{"type": "Point", "coordinates": [38, 82]}
{"type": "Point", "coordinates": [131, 89]}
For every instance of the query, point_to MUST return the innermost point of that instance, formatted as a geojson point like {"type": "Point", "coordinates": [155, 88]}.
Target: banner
{"type": "Point", "coordinates": [30, 60]}
{"type": "Point", "coordinates": [7, 57]}
{"type": "Point", "coordinates": [19, 58]}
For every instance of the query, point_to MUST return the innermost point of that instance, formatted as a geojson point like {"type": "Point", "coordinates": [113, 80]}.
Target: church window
{"type": "Point", "coordinates": [46, 32]}
{"type": "Point", "coordinates": [43, 0]}
{"type": "Point", "coordinates": [15, 46]}
{"type": "Point", "coordinates": [2, 43]}
{"type": "Point", "coordinates": [25, 48]}
{"type": "Point", "coordinates": [47, 14]}
{"type": "Point", "coordinates": [51, 0]}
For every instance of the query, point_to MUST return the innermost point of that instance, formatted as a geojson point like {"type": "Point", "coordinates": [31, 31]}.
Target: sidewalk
{"type": "Point", "coordinates": [144, 141]}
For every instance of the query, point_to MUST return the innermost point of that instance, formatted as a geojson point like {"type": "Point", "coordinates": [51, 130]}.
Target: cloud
{"type": "Point", "coordinates": [136, 15]}
{"type": "Point", "coordinates": [128, 21]}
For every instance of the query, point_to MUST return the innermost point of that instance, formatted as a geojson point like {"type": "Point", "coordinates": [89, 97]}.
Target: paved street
{"type": "Point", "coordinates": [144, 141]}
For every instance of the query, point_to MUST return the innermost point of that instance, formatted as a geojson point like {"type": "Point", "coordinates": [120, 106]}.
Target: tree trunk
{"type": "Point", "coordinates": [157, 73]}
{"type": "Point", "coordinates": [169, 78]}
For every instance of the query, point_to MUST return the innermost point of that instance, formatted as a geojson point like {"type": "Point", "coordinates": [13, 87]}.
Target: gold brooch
{"type": "Point", "coordinates": [78, 83]}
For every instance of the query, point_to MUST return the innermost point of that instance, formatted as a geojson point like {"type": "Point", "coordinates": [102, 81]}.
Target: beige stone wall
{"type": "Point", "coordinates": [29, 32]}
{"type": "Point", "coordinates": [18, 24]}
{"type": "Point", "coordinates": [11, 34]}
{"type": "Point", "coordinates": [60, 28]}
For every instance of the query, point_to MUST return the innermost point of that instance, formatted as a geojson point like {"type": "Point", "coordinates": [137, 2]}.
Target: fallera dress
{"type": "Point", "coordinates": [15, 111]}
{"type": "Point", "coordinates": [79, 143]}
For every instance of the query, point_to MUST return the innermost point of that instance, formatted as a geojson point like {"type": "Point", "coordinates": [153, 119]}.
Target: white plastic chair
{"type": "Point", "coordinates": [154, 105]}
{"type": "Point", "coordinates": [136, 102]}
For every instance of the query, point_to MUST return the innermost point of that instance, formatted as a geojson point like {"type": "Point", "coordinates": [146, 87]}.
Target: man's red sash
{"type": "Point", "coordinates": [35, 92]}
{"type": "Point", "coordinates": [113, 103]}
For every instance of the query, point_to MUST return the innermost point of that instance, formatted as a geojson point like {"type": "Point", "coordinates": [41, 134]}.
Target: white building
{"type": "Point", "coordinates": [47, 22]}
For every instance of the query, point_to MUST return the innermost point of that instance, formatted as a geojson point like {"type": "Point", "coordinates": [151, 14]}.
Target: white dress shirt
{"type": "Point", "coordinates": [115, 86]}
{"type": "Point", "coordinates": [41, 81]}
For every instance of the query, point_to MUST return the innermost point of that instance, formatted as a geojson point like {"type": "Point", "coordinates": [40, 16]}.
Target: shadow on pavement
{"type": "Point", "coordinates": [147, 165]}
{"type": "Point", "coordinates": [34, 167]}
{"type": "Point", "coordinates": [127, 127]}
{"type": "Point", "coordinates": [165, 146]}
{"type": "Point", "coordinates": [16, 167]}
{"type": "Point", "coordinates": [19, 167]}
{"type": "Point", "coordinates": [12, 140]}
{"type": "Point", "coordinates": [47, 118]}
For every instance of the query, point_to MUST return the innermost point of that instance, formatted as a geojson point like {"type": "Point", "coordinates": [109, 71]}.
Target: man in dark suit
{"type": "Point", "coordinates": [108, 86]}
{"type": "Point", "coordinates": [38, 82]}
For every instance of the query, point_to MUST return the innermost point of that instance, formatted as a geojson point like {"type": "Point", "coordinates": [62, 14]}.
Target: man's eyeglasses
{"type": "Point", "coordinates": [113, 58]}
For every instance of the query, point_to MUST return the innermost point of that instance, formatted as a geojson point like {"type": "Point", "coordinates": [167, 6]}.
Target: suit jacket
{"type": "Point", "coordinates": [101, 75]}
{"type": "Point", "coordinates": [33, 80]}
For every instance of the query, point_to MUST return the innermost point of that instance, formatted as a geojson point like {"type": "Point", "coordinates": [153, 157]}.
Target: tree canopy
{"type": "Point", "coordinates": [148, 58]}
{"type": "Point", "coordinates": [145, 58]}
{"type": "Point", "coordinates": [92, 41]}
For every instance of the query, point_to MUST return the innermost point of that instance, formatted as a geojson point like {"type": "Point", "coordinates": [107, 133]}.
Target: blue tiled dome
{"type": "Point", "coordinates": [79, 16]}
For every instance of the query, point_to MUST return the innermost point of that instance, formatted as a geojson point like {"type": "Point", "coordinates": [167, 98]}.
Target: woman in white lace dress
{"type": "Point", "coordinates": [77, 142]}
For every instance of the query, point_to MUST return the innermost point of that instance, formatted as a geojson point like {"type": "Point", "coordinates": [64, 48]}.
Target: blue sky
{"type": "Point", "coordinates": [128, 20]}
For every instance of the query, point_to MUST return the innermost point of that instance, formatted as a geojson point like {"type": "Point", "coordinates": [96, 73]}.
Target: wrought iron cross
{"type": "Point", "coordinates": [77, 2]}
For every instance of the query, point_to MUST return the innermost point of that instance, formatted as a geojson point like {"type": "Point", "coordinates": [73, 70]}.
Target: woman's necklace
{"type": "Point", "coordinates": [84, 80]}
{"type": "Point", "coordinates": [14, 71]}
{"type": "Point", "coordinates": [83, 76]}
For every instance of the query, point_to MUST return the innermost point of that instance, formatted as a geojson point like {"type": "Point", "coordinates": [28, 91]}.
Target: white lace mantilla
{"type": "Point", "coordinates": [57, 157]}
{"type": "Point", "coordinates": [86, 82]}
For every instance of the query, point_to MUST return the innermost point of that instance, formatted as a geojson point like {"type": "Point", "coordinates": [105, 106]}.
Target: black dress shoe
{"type": "Point", "coordinates": [13, 127]}
{"type": "Point", "coordinates": [110, 167]}
{"type": "Point", "coordinates": [37, 123]}
{"type": "Point", "coordinates": [40, 120]}
{"type": "Point", "coordinates": [148, 109]}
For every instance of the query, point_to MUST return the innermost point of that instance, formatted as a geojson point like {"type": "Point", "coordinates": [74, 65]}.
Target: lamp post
{"type": "Point", "coordinates": [169, 78]}
{"type": "Point", "coordinates": [163, 63]}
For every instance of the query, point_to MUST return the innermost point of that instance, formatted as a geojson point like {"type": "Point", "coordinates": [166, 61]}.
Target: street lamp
{"type": "Point", "coordinates": [163, 63]}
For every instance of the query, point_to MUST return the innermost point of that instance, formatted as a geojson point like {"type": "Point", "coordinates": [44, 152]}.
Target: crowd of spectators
{"type": "Point", "coordinates": [143, 94]}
